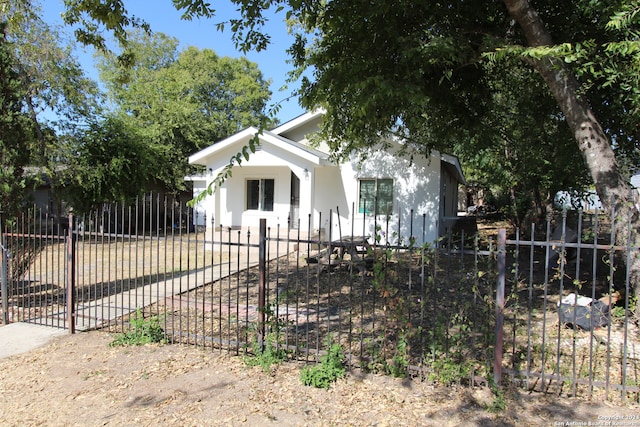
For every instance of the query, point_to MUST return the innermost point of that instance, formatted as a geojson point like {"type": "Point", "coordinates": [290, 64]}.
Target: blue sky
{"type": "Point", "coordinates": [163, 17]}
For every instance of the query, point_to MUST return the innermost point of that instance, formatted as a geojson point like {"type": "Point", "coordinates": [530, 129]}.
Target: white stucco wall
{"type": "Point", "coordinates": [416, 187]}
{"type": "Point", "coordinates": [228, 204]}
{"type": "Point", "coordinates": [203, 209]}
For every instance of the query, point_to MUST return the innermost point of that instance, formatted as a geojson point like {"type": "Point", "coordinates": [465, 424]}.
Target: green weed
{"type": "Point", "coordinates": [266, 356]}
{"type": "Point", "coordinates": [271, 352]}
{"type": "Point", "coordinates": [447, 370]}
{"type": "Point", "coordinates": [499, 402]}
{"type": "Point", "coordinates": [330, 368]}
{"type": "Point", "coordinates": [143, 331]}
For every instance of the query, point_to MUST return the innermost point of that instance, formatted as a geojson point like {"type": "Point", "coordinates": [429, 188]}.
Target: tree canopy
{"type": "Point", "coordinates": [179, 102]}
{"type": "Point", "coordinates": [14, 131]}
{"type": "Point", "coordinates": [57, 91]}
{"type": "Point", "coordinates": [164, 104]}
{"type": "Point", "coordinates": [109, 164]}
{"type": "Point", "coordinates": [383, 68]}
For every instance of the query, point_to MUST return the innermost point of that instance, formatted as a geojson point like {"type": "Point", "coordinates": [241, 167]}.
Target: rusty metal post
{"type": "Point", "coordinates": [262, 270]}
{"type": "Point", "coordinates": [71, 277]}
{"type": "Point", "coordinates": [5, 276]}
{"type": "Point", "coordinates": [502, 255]}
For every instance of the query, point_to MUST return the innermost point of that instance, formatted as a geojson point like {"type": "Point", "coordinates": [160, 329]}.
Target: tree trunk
{"type": "Point", "coordinates": [595, 147]}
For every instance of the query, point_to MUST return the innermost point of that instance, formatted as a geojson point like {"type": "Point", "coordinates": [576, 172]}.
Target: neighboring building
{"type": "Point", "coordinates": [635, 181]}
{"type": "Point", "coordinates": [589, 201]}
{"type": "Point", "coordinates": [287, 180]}
{"type": "Point", "coordinates": [42, 195]}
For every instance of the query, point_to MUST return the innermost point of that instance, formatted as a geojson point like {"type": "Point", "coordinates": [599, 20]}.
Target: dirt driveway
{"type": "Point", "coordinates": [80, 380]}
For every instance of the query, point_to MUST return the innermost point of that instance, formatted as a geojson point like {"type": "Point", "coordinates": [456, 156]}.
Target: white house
{"type": "Point", "coordinates": [287, 180]}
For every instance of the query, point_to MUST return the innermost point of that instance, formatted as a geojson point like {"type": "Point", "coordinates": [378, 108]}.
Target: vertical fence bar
{"type": "Point", "coordinates": [579, 286]}
{"type": "Point", "coordinates": [516, 303]}
{"type": "Point", "coordinates": [612, 257]}
{"type": "Point", "coordinates": [594, 262]}
{"type": "Point", "coordinates": [92, 260]}
{"type": "Point", "coordinates": [211, 299]}
{"type": "Point", "coordinates": [329, 267]}
{"type": "Point", "coordinates": [561, 261]}
{"type": "Point", "coordinates": [285, 291]}
{"type": "Point", "coordinates": [497, 366]}
{"type": "Point", "coordinates": [220, 282]}
{"type": "Point", "coordinates": [71, 306]}
{"type": "Point", "coordinates": [350, 314]}
{"type": "Point", "coordinates": [544, 304]}
{"type": "Point", "coordinates": [155, 273]}
{"type": "Point", "coordinates": [298, 285]}
{"type": "Point", "coordinates": [317, 289]}
{"type": "Point", "coordinates": [530, 303]}
{"type": "Point", "coordinates": [204, 278]}
{"type": "Point", "coordinates": [308, 287]}
{"type": "Point", "coordinates": [109, 249]}
{"type": "Point", "coordinates": [248, 286]}
{"type": "Point", "coordinates": [30, 249]}
{"type": "Point", "coordinates": [4, 287]}
{"type": "Point", "coordinates": [188, 260]}
{"type": "Point", "coordinates": [193, 295]}
{"type": "Point", "coordinates": [277, 299]}
{"type": "Point", "coordinates": [262, 269]}
{"type": "Point", "coordinates": [41, 304]}
{"type": "Point", "coordinates": [626, 306]}
{"type": "Point", "coordinates": [130, 274]}
{"type": "Point", "coordinates": [238, 275]}
{"type": "Point", "coordinates": [362, 284]}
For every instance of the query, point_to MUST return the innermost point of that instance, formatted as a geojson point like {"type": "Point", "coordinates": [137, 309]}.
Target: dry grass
{"type": "Point", "coordinates": [106, 266]}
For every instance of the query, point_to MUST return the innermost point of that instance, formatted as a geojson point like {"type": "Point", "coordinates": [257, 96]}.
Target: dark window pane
{"type": "Point", "coordinates": [367, 195]}
{"type": "Point", "coordinates": [253, 194]}
{"type": "Point", "coordinates": [267, 194]}
{"type": "Point", "coordinates": [376, 194]}
{"type": "Point", "coordinates": [385, 196]}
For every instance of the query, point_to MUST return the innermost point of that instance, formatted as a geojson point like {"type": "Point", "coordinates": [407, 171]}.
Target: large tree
{"type": "Point", "coordinates": [15, 132]}
{"type": "Point", "coordinates": [181, 101]}
{"type": "Point", "coordinates": [107, 162]}
{"type": "Point", "coordinates": [384, 65]}
{"type": "Point", "coordinates": [46, 98]}
{"type": "Point", "coordinates": [57, 94]}
{"type": "Point", "coordinates": [519, 151]}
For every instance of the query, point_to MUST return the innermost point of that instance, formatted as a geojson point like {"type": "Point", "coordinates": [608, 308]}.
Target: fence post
{"type": "Point", "coordinates": [262, 269]}
{"type": "Point", "coordinates": [71, 276]}
{"type": "Point", "coordinates": [502, 254]}
{"type": "Point", "coordinates": [5, 276]}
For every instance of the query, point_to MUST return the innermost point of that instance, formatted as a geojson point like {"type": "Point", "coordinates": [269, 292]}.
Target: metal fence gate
{"type": "Point", "coordinates": [468, 309]}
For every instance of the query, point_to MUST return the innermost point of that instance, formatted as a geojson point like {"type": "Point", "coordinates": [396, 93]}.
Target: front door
{"type": "Point", "coordinates": [294, 213]}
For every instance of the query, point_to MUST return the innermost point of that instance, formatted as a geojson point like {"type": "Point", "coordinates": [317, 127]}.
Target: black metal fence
{"type": "Point", "coordinates": [469, 309]}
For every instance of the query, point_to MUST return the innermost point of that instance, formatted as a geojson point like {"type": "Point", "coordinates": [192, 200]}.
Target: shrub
{"type": "Point", "coordinates": [325, 373]}
{"type": "Point", "coordinates": [268, 356]}
{"type": "Point", "coordinates": [143, 331]}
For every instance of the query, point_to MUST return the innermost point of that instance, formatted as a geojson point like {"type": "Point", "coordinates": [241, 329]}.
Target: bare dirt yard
{"type": "Point", "coordinates": [81, 380]}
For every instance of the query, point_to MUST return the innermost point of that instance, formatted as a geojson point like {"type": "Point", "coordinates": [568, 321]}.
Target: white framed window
{"type": "Point", "coordinates": [375, 196]}
{"type": "Point", "coordinates": [260, 194]}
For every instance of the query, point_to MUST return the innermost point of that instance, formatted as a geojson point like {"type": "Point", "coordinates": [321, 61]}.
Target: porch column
{"type": "Point", "coordinates": [307, 197]}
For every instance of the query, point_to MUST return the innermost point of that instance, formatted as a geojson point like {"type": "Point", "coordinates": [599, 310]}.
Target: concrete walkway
{"type": "Point", "coordinates": [16, 338]}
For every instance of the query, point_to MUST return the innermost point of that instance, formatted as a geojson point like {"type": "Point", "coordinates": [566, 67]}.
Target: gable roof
{"type": "Point", "coordinates": [275, 137]}
{"type": "Point", "coordinates": [297, 122]}
{"type": "Point", "coordinates": [242, 138]}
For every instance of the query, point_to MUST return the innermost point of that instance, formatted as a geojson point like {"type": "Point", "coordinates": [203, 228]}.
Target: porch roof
{"type": "Point", "coordinates": [454, 166]}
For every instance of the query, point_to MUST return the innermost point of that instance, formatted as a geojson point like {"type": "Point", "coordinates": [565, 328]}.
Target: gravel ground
{"type": "Point", "coordinates": [80, 380]}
